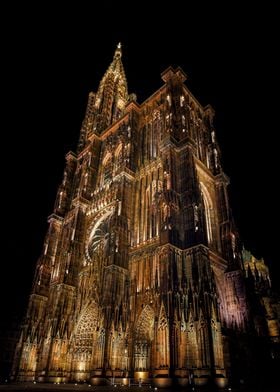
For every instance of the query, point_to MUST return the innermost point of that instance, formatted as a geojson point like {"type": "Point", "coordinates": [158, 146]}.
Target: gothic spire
{"type": "Point", "coordinates": [112, 93]}
{"type": "Point", "coordinates": [107, 105]}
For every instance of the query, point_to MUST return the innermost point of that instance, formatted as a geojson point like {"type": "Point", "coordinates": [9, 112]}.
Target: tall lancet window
{"type": "Point", "coordinates": [107, 169]}
{"type": "Point", "coordinates": [208, 208]}
{"type": "Point", "coordinates": [118, 157]}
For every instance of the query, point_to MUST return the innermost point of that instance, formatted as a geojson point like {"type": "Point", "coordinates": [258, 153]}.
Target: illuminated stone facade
{"type": "Point", "coordinates": [141, 268]}
{"type": "Point", "coordinates": [266, 318]}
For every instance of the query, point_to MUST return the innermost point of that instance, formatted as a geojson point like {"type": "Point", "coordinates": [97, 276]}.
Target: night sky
{"type": "Point", "coordinates": [52, 59]}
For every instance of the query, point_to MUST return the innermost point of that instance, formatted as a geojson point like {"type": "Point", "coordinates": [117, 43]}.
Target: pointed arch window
{"type": "Point", "coordinates": [107, 169]}
{"type": "Point", "coordinates": [208, 220]}
{"type": "Point", "coordinates": [107, 173]}
{"type": "Point", "coordinates": [208, 212]}
{"type": "Point", "coordinates": [118, 156]}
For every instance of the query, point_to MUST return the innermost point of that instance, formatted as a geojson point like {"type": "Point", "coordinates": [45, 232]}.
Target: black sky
{"type": "Point", "coordinates": [52, 58]}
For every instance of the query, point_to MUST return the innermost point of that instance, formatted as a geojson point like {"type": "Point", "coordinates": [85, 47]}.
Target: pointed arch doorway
{"type": "Point", "coordinates": [87, 344]}
{"type": "Point", "coordinates": [142, 347]}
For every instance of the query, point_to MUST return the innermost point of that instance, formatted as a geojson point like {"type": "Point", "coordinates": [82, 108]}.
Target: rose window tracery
{"type": "Point", "coordinates": [101, 239]}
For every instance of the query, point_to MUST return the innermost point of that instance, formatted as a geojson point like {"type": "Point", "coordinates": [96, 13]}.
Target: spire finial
{"type": "Point", "coordinates": [118, 52]}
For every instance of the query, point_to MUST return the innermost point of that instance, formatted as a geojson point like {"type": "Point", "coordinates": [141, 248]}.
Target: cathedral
{"type": "Point", "coordinates": [142, 275]}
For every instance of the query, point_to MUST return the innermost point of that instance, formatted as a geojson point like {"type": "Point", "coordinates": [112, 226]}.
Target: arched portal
{"type": "Point", "coordinates": [144, 334]}
{"type": "Point", "coordinates": [87, 343]}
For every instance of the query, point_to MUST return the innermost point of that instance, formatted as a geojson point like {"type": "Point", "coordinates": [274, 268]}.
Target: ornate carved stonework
{"type": "Point", "coordinates": [141, 269]}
